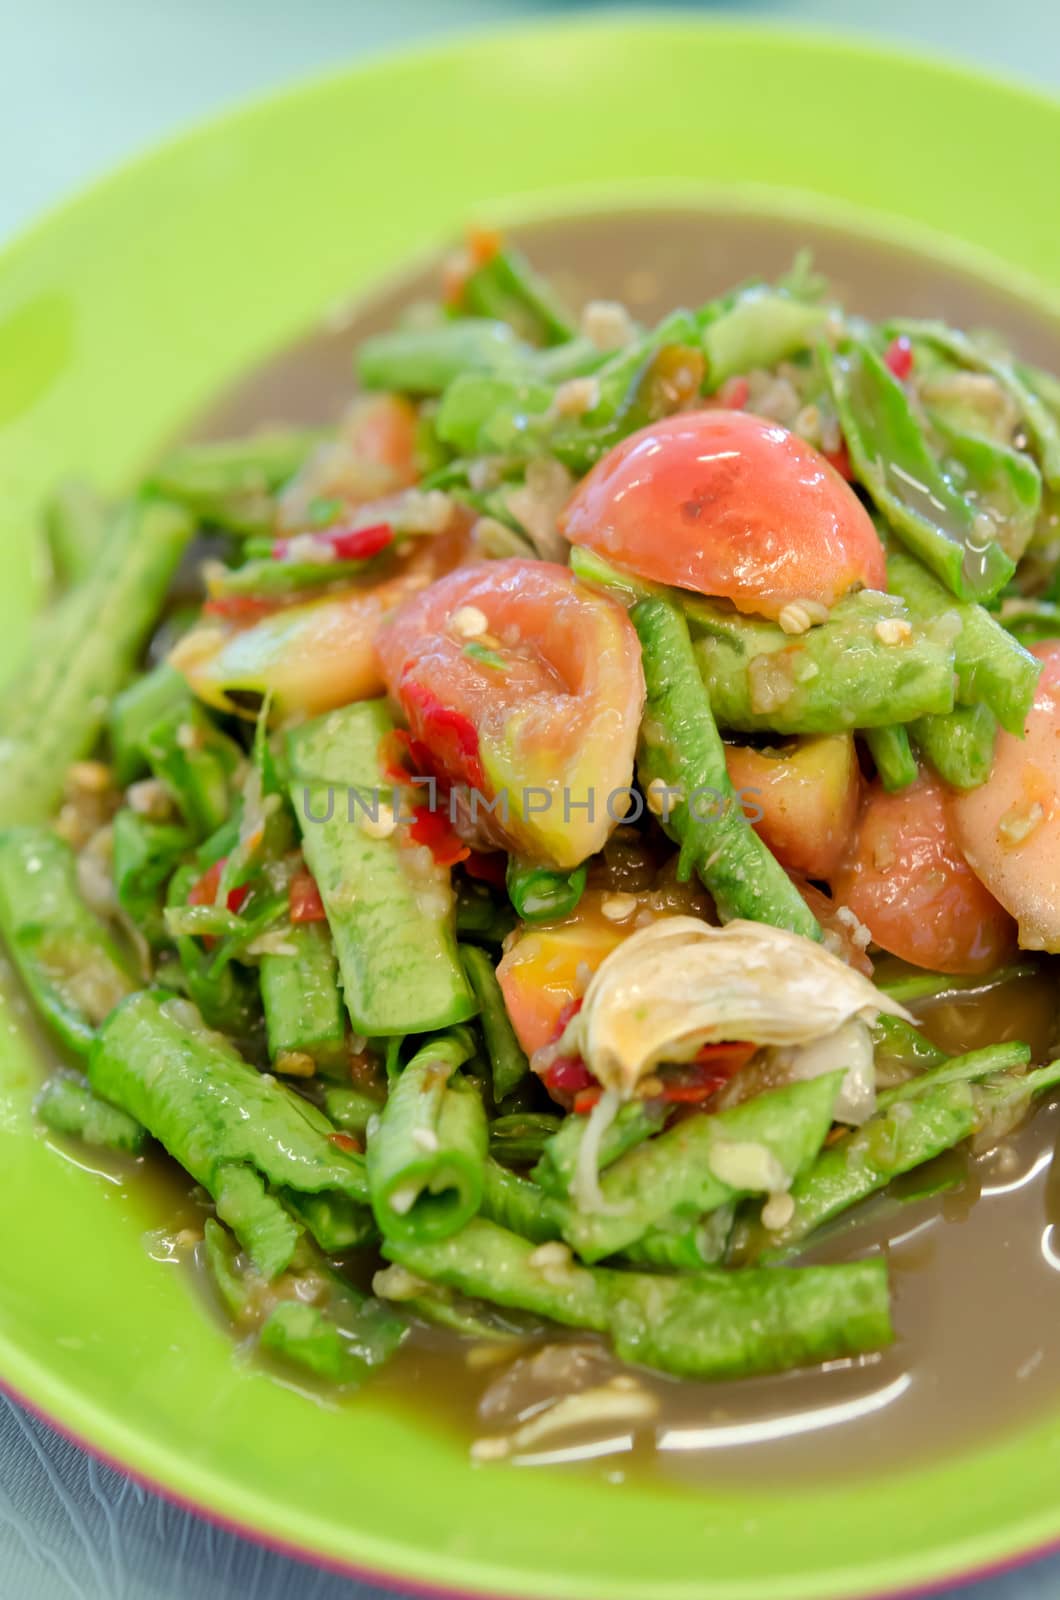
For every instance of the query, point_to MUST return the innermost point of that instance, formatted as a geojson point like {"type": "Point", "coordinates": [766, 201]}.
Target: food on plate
{"type": "Point", "coordinates": [505, 874]}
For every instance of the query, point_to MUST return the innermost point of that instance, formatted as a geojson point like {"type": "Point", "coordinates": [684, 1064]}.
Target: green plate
{"type": "Point", "coordinates": [119, 317]}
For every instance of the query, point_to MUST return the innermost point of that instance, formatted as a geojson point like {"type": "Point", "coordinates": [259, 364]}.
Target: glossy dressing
{"type": "Point", "coordinates": [974, 1245]}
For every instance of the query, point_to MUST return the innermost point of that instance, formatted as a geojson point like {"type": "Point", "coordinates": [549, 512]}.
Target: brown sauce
{"type": "Point", "coordinates": [974, 1244]}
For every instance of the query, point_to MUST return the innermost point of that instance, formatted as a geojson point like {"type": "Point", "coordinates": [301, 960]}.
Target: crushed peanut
{"type": "Point", "coordinates": [608, 325]}
{"type": "Point", "coordinates": [295, 1064]}
{"type": "Point", "coordinates": [799, 616]}
{"type": "Point", "coordinates": [490, 1449]}
{"type": "Point", "coordinates": [90, 777]}
{"type": "Point", "coordinates": [893, 630]}
{"type": "Point", "coordinates": [469, 622]}
{"type": "Point", "coordinates": [577, 396]}
{"type": "Point", "coordinates": [617, 907]}
{"type": "Point", "coordinates": [381, 826]}
{"type": "Point", "coordinates": [1019, 822]}
{"type": "Point", "coordinates": [553, 1254]}
{"type": "Point", "coordinates": [778, 1211]}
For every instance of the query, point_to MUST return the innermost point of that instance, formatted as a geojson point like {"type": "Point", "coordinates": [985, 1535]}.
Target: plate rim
{"type": "Point", "coordinates": [36, 1380]}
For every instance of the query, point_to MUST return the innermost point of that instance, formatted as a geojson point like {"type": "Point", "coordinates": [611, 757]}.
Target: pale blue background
{"type": "Point", "coordinates": [83, 84]}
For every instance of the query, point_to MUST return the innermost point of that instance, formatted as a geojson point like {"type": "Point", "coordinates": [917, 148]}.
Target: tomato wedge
{"type": "Point", "coordinates": [908, 882]}
{"type": "Point", "coordinates": [312, 656]}
{"type": "Point", "coordinates": [806, 796]}
{"type": "Point", "coordinates": [730, 505]}
{"type": "Point", "coordinates": [525, 687]}
{"type": "Point", "coordinates": [1009, 828]}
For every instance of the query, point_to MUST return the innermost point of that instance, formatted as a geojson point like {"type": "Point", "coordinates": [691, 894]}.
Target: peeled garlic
{"type": "Point", "coordinates": [680, 984]}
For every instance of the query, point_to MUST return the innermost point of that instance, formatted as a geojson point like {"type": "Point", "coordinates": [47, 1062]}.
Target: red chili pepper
{"type": "Point", "coordinates": [305, 902]}
{"type": "Point", "coordinates": [840, 460]}
{"type": "Point", "coordinates": [735, 393]}
{"type": "Point", "coordinates": [204, 891]}
{"type": "Point", "coordinates": [346, 1142]}
{"type": "Point", "coordinates": [358, 544]}
{"type": "Point", "coordinates": [488, 867]}
{"type": "Point", "coordinates": [433, 829]}
{"type": "Point", "coordinates": [349, 544]}
{"type": "Point", "coordinates": [450, 737]}
{"type": "Point", "coordinates": [239, 607]}
{"type": "Point", "coordinates": [392, 753]}
{"type": "Point", "coordinates": [728, 1056]}
{"type": "Point", "coordinates": [714, 1065]}
{"type": "Point", "coordinates": [585, 1099]}
{"type": "Point", "coordinates": [568, 1075]}
{"type": "Point", "coordinates": [899, 357]}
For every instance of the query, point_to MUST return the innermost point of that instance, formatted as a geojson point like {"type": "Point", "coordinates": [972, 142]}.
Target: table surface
{"type": "Point", "coordinates": [81, 91]}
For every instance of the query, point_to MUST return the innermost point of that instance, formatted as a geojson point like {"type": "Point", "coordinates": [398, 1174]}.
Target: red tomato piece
{"type": "Point", "coordinates": [204, 891]}
{"type": "Point", "coordinates": [806, 796]}
{"type": "Point", "coordinates": [548, 743]}
{"type": "Point", "coordinates": [487, 867]}
{"type": "Point", "coordinates": [1009, 827]}
{"type": "Point", "coordinates": [731, 505]}
{"type": "Point", "coordinates": [908, 882]}
{"type": "Point", "coordinates": [304, 896]}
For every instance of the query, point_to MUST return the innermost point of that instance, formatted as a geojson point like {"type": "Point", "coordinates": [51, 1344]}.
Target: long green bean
{"type": "Point", "coordinates": [681, 751]}
{"type": "Point", "coordinates": [57, 704]}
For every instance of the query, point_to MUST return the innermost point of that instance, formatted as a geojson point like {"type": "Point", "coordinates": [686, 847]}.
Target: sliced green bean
{"type": "Point", "coordinates": [75, 527]}
{"type": "Point", "coordinates": [960, 746]}
{"type": "Point", "coordinates": [391, 921]}
{"type": "Point", "coordinates": [508, 1063]}
{"type": "Point", "coordinates": [968, 1068]}
{"type": "Point", "coordinates": [992, 667]}
{"type": "Point", "coordinates": [427, 1154]}
{"type": "Point", "coordinates": [893, 755]}
{"type": "Point", "coordinates": [132, 714]}
{"type": "Point", "coordinates": [74, 970]}
{"type": "Point", "coordinates": [68, 1105]}
{"type": "Point", "coordinates": [541, 895]}
{"type": "Point", "coordinates": [507, 288]}
{"type": "Point", "coordinates": [427, 360]}
{"type": "Point", "coordinates": [680, 749]}
{"type": "Point", "coordinates": [636, 1121]}
{"type": "Point", "coordinates": [230, 1127]}
{"type": "Point", "coordinates": [1042, 426]}
{"type": "Point", "coordinates": [892, 459]}
{"type": "Point", "coordinates": [56, 705]}
{"type": "Point", "coordinates": [232, 483]}
{"type": "Point", "coordinates": [758, 328]}
{"type": "Point", "coordinates": [705, 1325]}
{"type": "Point", "coordinates": [351, 1109]}
{"type": "Point", "coordinates": [850, 672]}
{"type": "Point", "coordinates": [705, 1162]}
{"type": "Point", "coordinates": [519, 1138]}
{"type": "Point", "coordinates": [300, 993]}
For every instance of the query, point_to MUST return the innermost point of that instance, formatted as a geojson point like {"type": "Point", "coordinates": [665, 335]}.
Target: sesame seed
{"type": "Point", "coordinates": [425, 1139]}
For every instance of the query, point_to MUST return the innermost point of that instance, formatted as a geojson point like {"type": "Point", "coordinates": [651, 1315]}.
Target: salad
{"type": "Point", "coordinates": [491, 845]}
